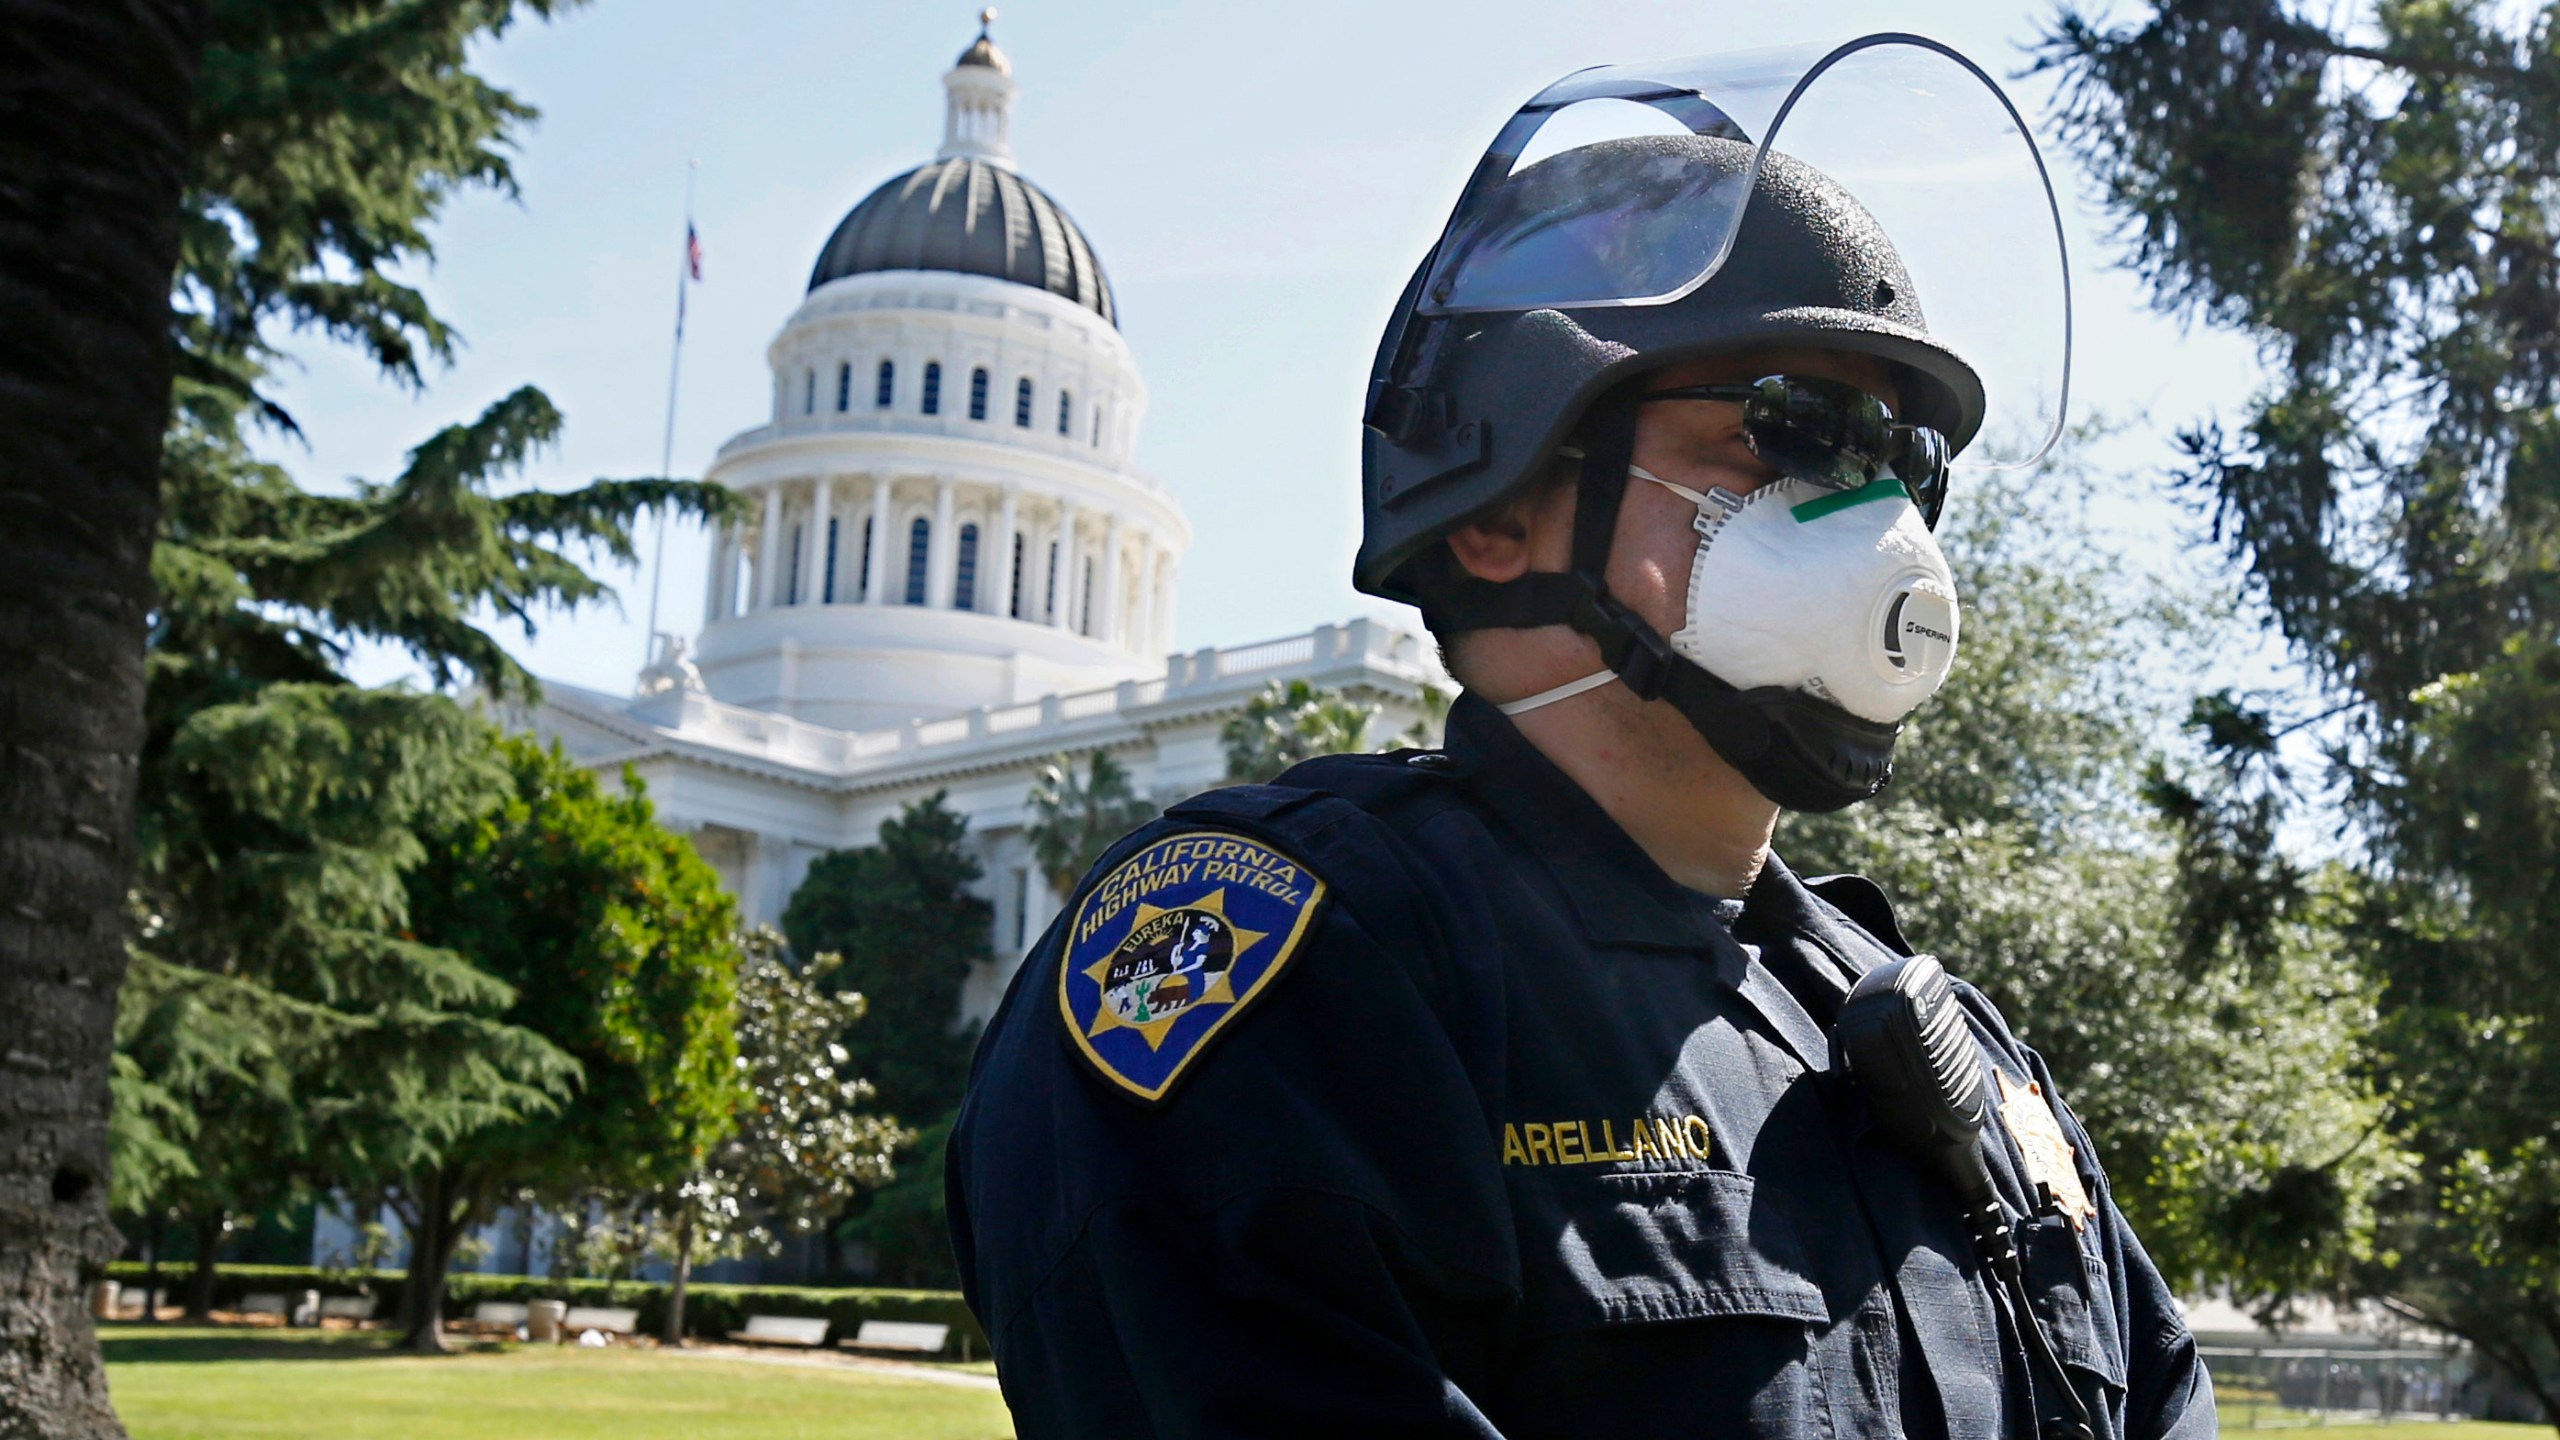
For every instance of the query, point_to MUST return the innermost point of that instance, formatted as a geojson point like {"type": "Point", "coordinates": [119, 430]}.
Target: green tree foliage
{"type": "Point", "coordinates": [805, 1142]}
{"type": "Point", "coordinates": [901, 916]}
{"type": "Point", "coordinates": [287, 1027]}
{"type": "Point", "coordinates": [2019, 846]}
{"type": "Point", "coordinates": [328, 134]}
{"type": "Point", "coordinates": [2371, 194]}
{"type": "Point", "coordinates": [1288, 723]}
{"type": "Point", "coordinates": [1074, 819]}
{"type": "Point", "coordinates": [619, 947]}
{"type": "Point", "coordinates": [281, 806]}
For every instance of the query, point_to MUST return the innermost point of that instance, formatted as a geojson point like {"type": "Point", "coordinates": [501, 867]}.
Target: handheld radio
{"type": "Point", "coordinates": [1905, 1040]}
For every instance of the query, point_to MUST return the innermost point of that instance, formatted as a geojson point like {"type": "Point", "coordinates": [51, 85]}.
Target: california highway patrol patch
{"type": "Point", "coordinates": [1170, 947]}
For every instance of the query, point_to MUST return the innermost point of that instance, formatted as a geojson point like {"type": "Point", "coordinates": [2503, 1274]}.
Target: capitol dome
{"type": "Point", "coordinates": [945, 510]}
{"type": "Point", "coordinates": [969, 216]}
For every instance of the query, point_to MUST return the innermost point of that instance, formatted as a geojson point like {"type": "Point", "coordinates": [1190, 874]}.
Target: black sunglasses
{"type": "Point", "coordinates": [1833, 434]}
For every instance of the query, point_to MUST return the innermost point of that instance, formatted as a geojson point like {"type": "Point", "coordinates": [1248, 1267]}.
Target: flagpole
{"type": "Point", "coordinates": [667, 445]}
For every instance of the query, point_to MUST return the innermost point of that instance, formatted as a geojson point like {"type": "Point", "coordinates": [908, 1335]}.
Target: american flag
{"type": "Point", "coordinates": [692, 250]}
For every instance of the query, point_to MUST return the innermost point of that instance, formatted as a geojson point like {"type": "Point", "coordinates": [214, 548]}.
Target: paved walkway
{"type": "Point", "coordinates": [836, 1360]}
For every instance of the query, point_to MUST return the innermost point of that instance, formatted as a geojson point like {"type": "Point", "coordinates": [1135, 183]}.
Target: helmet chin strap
{"type": "Point", "coordinates": [1800, 752]}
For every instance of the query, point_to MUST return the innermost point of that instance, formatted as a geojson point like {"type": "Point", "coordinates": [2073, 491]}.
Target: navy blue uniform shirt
{"type": "Point", "coordinates": [1506, 1134]}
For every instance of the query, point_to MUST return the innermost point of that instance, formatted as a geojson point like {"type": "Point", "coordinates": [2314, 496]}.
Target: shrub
{"type": "Point", "coordinates": [711, 1311]}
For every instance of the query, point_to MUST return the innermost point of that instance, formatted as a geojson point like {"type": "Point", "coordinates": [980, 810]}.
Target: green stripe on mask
{"type": "Point", "coordinates": [1887, 488]}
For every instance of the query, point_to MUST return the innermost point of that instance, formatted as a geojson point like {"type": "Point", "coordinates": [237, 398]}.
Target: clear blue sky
{"type": "Point", "coordinates": [1257, 179]}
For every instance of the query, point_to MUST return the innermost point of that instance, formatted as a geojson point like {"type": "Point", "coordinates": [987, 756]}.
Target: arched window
{"type": "Point", "coordinates": [1084, 603]}
{"type": "Point", "coordinates": [1018, 549]}
{"type": "Point", "coordinates": [933, 387]}
{"type": "Point", "coordinates": [866, 557]}
{"type": "Point", "coordinates": [964, 585]}
{"type": "Point", "coordinates": [844, 387]}
{"type": "Point", "coordinates": [809, 393]}
{"type": "Point", "coordinates": [791, 595]}
{"type": "Point", "coordinates": [1022, 403]}
{"type": "Point", "coordinates": [919, 548]}
{"type": "Point", "coordinates": [1049, 604]}
{"type": "Point", "coordinates": [827, 590]}
{"type": "Point", "coordinates": [1066, 403]}
{"type": "Point", "coordinates": [978, 393]}
{"type": "Point", "coordinates": [1097, 425]}
{"type": "Point", "coordinates": [887, 385]}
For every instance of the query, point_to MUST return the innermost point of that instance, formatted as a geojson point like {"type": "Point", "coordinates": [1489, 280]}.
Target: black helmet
{"type": "Point", "coordinates": [1465, 409]}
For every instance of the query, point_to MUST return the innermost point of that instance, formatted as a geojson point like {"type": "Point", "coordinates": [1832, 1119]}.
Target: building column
{"type": "Point", "coordinates": [1007, 514]}
{"type": "Point", "coordinates": [1142, 628]}
{"type": "Point", "coordinates": [769, 549]}
{"type": "Point", "coordinates": [711, 599]}
{"type": "Point", "coordinates": [813, 543]}
{"type": "Point", "coordinates": [821, 510]}
{"type": "Point", "coordinates": [1062, 581]}
{"type": "Point", "coordinates": [875, 587]}
{"type": "Point", "coordinates": [942, 550]}
{"type": "Point", "coordinates": [1164, 605]}
{"type": "Point", "coordinates": [1108, 632]}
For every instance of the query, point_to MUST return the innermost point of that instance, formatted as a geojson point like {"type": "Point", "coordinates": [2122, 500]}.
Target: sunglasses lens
{"type": "Point", "coordinates": [1920, 463]}
{"type": "Point", "coordinates": [1822, 432]}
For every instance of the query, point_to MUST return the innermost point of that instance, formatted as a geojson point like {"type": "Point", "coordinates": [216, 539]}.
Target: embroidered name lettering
{"type": "Point", "coordinates": [1598, 1142]}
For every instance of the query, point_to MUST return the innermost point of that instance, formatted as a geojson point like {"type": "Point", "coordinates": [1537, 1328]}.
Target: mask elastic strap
{"type": "Point", "coordinates": [1683, 491]}
{"type": "Point", "coordinates": [1566, 691]}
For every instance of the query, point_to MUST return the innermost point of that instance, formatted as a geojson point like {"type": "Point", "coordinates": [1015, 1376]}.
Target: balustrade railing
{"type": "Point", "coordinates": [1199, 675]}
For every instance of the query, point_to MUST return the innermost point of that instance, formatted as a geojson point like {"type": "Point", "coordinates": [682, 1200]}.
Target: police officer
{"type": "Point", "coordinates": [1491, 1090]}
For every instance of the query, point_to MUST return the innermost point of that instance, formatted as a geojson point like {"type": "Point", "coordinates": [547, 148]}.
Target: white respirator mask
{"type": "Point", "coordinates": [1843, 595]}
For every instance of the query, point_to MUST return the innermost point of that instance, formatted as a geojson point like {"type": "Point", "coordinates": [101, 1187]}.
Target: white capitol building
{"type": "Point", "coordinates": [953, 569]}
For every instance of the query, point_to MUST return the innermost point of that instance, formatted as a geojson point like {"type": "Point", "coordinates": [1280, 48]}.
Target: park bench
{"type": "Point", "coordinates": [267, 1302]}
{"type": "Point", "coordinates": [783, 1330]}
{"type": "Point", "coordinates": [901, 1335]}
{"type": "Point", "coordinates": [583, 1318]}
{"type": "Point", "coordinates": [497, 1315]}
{"type": "Point", "coordinates": [358, 1308]}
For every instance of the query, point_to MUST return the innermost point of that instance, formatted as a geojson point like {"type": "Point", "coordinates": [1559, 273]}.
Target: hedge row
{"type": "Point", "coordinates": [710, 1311]}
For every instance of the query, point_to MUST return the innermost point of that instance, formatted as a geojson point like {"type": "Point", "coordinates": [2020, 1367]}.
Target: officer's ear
{"type": "Point", "coordinates": [1530, 531]}
{"type": "Point", "coordinates": [1495, 548]}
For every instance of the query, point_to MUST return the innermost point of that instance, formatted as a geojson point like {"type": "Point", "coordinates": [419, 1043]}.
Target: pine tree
{"type": "Point", "coordinates": [2371, 193]}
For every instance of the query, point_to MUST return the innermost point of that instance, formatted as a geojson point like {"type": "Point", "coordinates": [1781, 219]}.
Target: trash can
{"type": "Point", "coordinates": [542, 1320]}
{"type": "Point", "coordinates": [105, 1298]}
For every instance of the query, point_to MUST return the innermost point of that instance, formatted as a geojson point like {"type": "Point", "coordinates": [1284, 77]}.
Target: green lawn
{"type": "Point", "coordinates": [174, 1383]}
{"type": "Point", "coordinates": [2238, 1411]}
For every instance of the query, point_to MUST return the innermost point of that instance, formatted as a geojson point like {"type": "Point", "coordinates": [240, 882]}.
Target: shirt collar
{"type": "Point", "coordinates": [1619, 896]}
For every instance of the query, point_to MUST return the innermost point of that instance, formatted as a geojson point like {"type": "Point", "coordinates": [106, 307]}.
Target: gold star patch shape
{"type": "Point", "coordinates": [2030, 1121]}
{"type": "Point", "coordinates": [1152, 1003]}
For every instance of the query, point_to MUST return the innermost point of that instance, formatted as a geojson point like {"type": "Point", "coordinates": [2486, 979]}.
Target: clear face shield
{"type": "Point", "coordinates": [1556, 217]}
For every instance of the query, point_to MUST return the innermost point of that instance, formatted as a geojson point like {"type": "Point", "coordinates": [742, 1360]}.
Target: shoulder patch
{"type": "Point", "coordinates": [1170, 947]}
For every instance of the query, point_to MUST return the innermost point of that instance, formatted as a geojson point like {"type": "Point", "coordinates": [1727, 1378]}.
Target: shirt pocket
{"type": "Point", "coordinates": [2072, 1297]}
{"type": "Point", "coordinates": [1614, 1248]}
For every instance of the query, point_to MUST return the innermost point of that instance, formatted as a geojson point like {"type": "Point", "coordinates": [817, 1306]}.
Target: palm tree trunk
{"type": "Point", "coordinates": [94, 96]}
